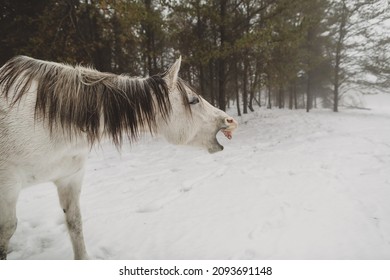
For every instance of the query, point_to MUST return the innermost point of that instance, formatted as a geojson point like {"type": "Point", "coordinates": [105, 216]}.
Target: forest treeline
{"type": "Point", "coordinates": [243, 53]}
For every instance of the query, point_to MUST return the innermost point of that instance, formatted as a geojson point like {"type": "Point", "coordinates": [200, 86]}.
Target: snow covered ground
{"type": "Point", "coordinates": [290, 185]}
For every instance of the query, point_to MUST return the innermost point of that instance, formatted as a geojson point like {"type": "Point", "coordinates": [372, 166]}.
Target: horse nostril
{"type": "Point", "coordinates": [230, 123]}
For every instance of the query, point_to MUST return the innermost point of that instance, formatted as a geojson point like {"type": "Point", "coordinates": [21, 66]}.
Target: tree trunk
{"type": "Point", "coordinates": [309, 100]}
{"type": "Point", "coordinates": [295, 97]}
{"type": "Point", "coordinates": [336, 88]}
{"type": "Point", "coordinates": [252, 90]}
{"type": "Point", "coordinates": [201, 79]}
{"type": "Point", "coordinates": [309, 94]}
{"type": "Point", "coordinates": [269, 106]}
{"type": "Point", "coordinates": [236, 89]}
{"type": "Point", "coordinates": [200, 35]}
{"type": "Point", "coordinates": [238, 98]}
{"type": "Point", "coordinates": [211, 83]}
{"type": "Point", "coordinates": [221, 59]}
{"type": "Point", "coordinates": [281, 97]}
{"type": "Point", "coordinates": [259, 98]}
{"type": "Point", "coordinates": [149, 38]}
{"type": "Point", "coordinates": [290, 96]}
{"type": "Point", "coordinates": [245, 87]}
{"type": "Point", "coordinates": [339, 47]}
{"type": "Point", "coordinates": [221, 84]}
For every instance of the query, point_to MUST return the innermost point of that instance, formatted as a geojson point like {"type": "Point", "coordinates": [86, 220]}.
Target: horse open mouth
{"type": "Point", "coordinates": [227, 130]}
{"type": "Point", "coordinates": [228, 133]}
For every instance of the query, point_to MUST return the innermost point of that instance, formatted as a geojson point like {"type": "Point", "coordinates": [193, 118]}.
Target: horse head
{"type": "Point", "coordinates": [193, 121]}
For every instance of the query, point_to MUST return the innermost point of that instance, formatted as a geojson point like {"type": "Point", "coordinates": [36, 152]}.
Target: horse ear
{"type": "Point", "coordinates": [172, 73]}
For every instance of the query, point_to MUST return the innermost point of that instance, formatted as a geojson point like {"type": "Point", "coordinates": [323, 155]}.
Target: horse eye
{"type": "Point", "coordinates": [194, 100]}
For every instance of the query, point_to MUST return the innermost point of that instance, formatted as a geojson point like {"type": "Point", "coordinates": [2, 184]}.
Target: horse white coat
{"type": "Point", "coordinates": [33, 151]}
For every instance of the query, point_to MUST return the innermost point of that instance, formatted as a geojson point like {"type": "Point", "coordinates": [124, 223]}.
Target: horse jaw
{"type": "Point", "coordinates": [215, 147]}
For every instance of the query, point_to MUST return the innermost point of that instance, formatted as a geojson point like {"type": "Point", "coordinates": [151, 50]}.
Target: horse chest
{"type": "Point", "coordinates": [50, 166]}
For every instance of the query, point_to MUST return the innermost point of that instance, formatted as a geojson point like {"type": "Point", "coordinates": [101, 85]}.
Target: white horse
{"type": "Point", "coordinates": [51, 114]}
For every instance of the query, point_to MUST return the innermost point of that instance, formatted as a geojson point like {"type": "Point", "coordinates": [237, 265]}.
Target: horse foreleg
{"type": "Point", "coordinates": [9, 192]}
{"type": "Point", "coordinates": [69, 194]}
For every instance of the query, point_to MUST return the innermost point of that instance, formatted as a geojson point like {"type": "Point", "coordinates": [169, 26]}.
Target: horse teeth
{"type": "Point", "coordinates": [228, 134]}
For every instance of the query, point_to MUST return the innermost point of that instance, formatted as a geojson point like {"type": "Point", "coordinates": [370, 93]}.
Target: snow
{"type": "Point", "coordinates": [290, 185]}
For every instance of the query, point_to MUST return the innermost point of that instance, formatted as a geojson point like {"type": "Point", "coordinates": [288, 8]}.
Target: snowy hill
{"type": "Point", "coordinates": [290, 185]}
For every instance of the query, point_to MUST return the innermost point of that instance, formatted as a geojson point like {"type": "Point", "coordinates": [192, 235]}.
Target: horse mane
{"type": "Point", "coordinates": [83, 100]}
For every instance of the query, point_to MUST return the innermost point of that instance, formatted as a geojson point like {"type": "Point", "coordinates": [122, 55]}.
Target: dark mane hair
{"type": "Point", "coordinates": [83, 100]}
